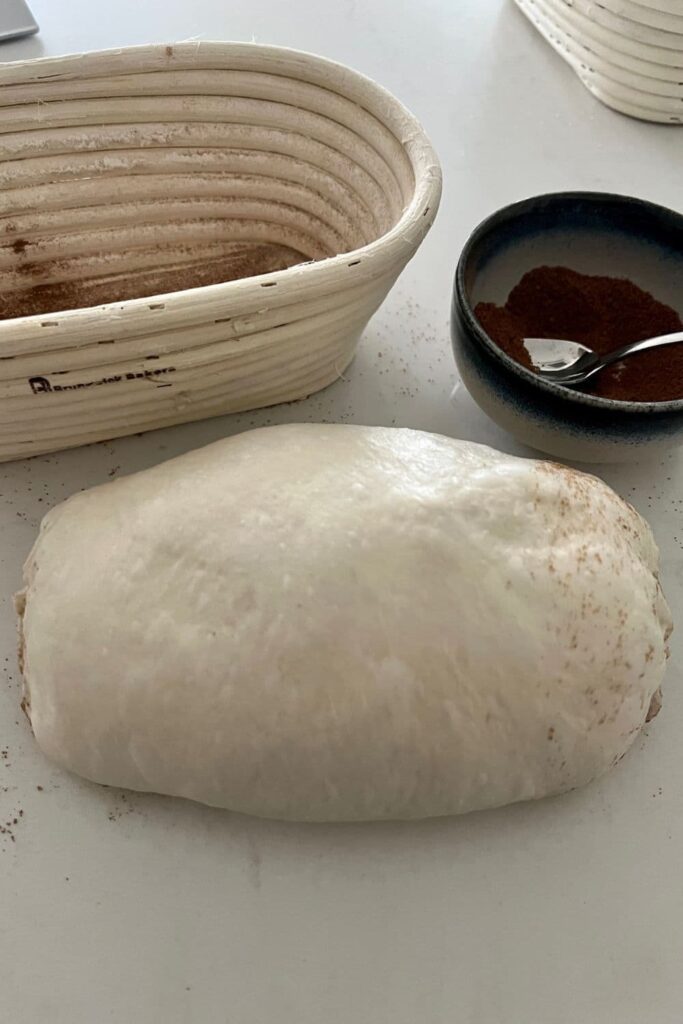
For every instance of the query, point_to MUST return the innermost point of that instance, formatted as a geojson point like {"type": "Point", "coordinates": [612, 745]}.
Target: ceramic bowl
{"type": "Point", "coordinates": [593, 233]}
{"type": "Point", "coordinates": [306, 183]}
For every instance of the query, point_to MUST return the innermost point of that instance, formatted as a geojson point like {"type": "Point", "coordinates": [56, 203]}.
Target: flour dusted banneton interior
{"type": "Point", "coordinates": [343, 623]}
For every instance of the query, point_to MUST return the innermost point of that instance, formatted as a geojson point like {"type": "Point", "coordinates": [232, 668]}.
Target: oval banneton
{"type": "Point", "coordinates": [300, 185]}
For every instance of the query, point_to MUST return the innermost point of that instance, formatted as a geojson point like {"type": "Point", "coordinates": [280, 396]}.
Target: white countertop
{"type": "Point", "coordinates": [124, 908]}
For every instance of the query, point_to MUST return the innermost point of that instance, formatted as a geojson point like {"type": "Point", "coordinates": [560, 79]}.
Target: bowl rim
{"type": "Point", "coordinates": [370, 262]}
{"type": "Point", "coordinates": [557, 390]}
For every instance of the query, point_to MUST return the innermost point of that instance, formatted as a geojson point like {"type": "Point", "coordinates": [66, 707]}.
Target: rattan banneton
{"type": "Point", "coordinates": [154, 161]}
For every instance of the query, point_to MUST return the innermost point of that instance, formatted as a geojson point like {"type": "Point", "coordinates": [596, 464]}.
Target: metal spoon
{"type": "Point", "coordinates": [568, 362]}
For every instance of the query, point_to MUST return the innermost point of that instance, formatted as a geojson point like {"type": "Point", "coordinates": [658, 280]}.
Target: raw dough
{"type": "Point", "coordinates": [343, 623]}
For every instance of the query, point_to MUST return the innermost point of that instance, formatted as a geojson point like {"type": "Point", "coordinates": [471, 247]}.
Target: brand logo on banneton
{"type": "Point", "coordinates": [43, 385]}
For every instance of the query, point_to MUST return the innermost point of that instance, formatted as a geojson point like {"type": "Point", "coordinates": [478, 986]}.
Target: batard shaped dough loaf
{"type": "Point", "coordinates": [343, 623]}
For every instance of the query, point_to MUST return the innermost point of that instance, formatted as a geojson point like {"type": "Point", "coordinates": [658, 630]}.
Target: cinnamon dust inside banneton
{"type": "Point", "coordinates": [41, 293]}
{"type": "Point", "coordinates": [603, 313]}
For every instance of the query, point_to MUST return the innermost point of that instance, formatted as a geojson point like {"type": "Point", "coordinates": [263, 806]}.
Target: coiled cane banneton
{"type": "Point", "coordinates": [263, 201]}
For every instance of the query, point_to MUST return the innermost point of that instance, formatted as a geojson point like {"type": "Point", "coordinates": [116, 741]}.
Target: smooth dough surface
{"type": "Point", "coordinates": [343, 623]}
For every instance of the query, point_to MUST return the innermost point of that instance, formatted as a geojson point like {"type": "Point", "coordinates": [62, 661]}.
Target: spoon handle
{"type": "Point", "coordinates": [640, 346]}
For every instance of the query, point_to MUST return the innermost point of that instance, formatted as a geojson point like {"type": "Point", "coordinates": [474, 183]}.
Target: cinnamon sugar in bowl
{"type": "Point", "coordinates": [573, 237]}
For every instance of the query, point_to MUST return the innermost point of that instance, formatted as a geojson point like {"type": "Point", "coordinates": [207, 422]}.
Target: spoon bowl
{"type": "Point", "coordinates": [570, 363]}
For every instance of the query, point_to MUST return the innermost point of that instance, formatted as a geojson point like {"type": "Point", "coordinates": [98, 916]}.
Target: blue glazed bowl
{"type": "Point", "coordinates": [594, 233]}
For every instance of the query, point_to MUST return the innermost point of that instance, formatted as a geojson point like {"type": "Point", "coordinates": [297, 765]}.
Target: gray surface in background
{"type": "Point", "coordinates": [16, 20]}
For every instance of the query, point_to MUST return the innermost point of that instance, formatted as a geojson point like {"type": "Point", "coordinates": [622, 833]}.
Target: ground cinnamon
{"type": "Point", "coordinates": [247, 260]}
{"type": "Point", "coordinates": [603, 313]}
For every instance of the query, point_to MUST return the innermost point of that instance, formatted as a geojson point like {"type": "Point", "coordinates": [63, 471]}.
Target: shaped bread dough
{"type": "Point", "coordinates": [343, 623]}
